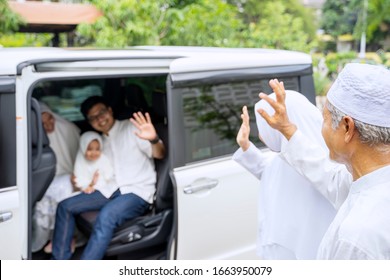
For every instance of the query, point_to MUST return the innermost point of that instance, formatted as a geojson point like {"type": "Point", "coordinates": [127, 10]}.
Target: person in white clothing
{"type": "Point", "coordinates": [292, 215]}
{"type": "Point", "coordinates": [64, 140]}
{"type": "Point", "coordinates": [356, 129]}
{"type": "Point", "coordinates": [92, 169]}
{"type": "Point", "coordinates": [130, 147]}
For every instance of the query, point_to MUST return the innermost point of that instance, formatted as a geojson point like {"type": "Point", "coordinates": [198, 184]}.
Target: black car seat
{"type": "Point", "coordinates": [154, 228]}
{"type": "Point", "coordinates": [132, 100]}
{"type": "Point", "coordinates": [43, 160]}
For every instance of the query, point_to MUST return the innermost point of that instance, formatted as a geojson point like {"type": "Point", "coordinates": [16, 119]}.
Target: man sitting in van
{"type": "Point", "coordinates": [131, 147]}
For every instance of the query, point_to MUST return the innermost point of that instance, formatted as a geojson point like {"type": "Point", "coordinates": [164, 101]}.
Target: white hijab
{"type": "Point", "coordinates": [85, 169]}
{"type": "Point", "coordinates": [291, 212]}
{"type": "Point", "coordinates": [64, 141]}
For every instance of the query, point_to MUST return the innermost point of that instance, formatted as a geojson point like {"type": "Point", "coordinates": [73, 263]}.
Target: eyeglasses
{"type": "Point", "coordinates": [96, 117]}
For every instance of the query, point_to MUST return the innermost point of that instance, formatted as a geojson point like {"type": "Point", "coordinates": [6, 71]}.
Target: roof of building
{"type": "Point", "coordinates": [53, 17]}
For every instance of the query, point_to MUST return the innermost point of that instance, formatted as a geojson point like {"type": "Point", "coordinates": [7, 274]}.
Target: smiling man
{"type": "Point", "coordinates": [356, 129]}
{"type": "Point", "coordinates": [131, 147]}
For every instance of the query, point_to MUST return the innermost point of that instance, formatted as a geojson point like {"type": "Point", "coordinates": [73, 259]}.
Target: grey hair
{"type": "Point", "coordinates": [369, 134]}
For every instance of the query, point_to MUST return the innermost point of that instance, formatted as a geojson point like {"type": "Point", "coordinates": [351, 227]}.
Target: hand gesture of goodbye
{"type": "Point", "coordinates": [243, 134]}
{"type": "Point", "coordinates": [144, 125]}
{"type": "Point", "coordinates": [279, 120]}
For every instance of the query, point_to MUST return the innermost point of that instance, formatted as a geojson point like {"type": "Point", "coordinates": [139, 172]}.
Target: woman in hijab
{"type": "Point", "coordinates": [64, 140]}
{"type": "Point", "coordinates": [292, 215]}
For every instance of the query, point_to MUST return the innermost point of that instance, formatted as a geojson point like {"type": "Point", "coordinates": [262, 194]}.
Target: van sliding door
{"type": "Point", "coordinates": [217, 199]}
{"type": "Point", "coordinates": [9, 192]}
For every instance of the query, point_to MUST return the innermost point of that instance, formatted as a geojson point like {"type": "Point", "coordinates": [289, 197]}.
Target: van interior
{"type": "Point", "coordinates": [145, 237]}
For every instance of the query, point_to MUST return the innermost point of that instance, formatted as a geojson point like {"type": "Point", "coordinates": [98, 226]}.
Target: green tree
{"type": "Point", "coordinates": [132, 22]}
{"type": "Point", "coordinates": [339, 16]}
{"type": "Point", "coordinates": [125, 23]}
{"type": "Point", "coordinates": [252, 11]}
{"type": "Point", "coordinates": [220, 23]}
{"type": "Point", "coordinates": [205, 23]}
{"type": "Point", "coordinates": [378, 20]}
{"type": "Point", "coordinates": [279, 29]}
{"type": "Point", "coordinates": [9, 21]}
{"type": "Point", "coordinates": [345, 16]}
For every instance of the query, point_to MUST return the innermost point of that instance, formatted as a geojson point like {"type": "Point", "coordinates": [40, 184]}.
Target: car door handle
{"type": "Point", "coordinates": [201, 185]}
{"type": "Point", "coordinates": [5, 216]}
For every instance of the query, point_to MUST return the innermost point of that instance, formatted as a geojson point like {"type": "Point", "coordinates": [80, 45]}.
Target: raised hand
{"type": "Point", "coordinates": [279, 120]}
{"type": "Point", "coordinates": [144, 125]}
{"type": "Point", "coordinates": [243, 134]}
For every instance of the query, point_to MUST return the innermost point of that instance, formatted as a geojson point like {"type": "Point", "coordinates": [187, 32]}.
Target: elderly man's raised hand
{"type": "Point", "coordinates": [243, 134]}
{"type": "Point", "coordinates": [144, 125]}
{"type": "Point", "coordinates": [279, 120]}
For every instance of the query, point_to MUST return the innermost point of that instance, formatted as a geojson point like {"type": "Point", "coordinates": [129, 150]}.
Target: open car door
{"type": "Point", "coordinates": [216, 199]}
{"type": "Point", "coordinates": [9, 192]}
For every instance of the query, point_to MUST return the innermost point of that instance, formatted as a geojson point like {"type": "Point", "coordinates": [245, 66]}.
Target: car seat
{"type": "Point", "coordinates": [43, 160]}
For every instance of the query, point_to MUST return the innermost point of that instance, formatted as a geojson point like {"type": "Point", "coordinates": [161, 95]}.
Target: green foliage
{"type": "Point", "coordinates": [9, 21]}
{"type": "Point", "coordinates": [346, 17]}
{"type": "Point", "coordinates": [321, 83]}
{"type": "Point", "coordinates": [340, 16]}
{"type": "Point", "coordinates": [205, 23]}
{"type": "Point", "coordinates": [378, 26]}
{"type": "Point", "coordinates": [124, 23]}
{"type": "Point", "coordinates": [25, 40]}
{"type": "Point", "coordinates": [131, 22]}
{"type": "Point", "coordinates": [252, 11]}
{"type": "Point", "coordinates": [220, 23]}
{"type": "Point", "coordinates": [336, 61]}
{"type": "Point", "coordinates": [279, 29]}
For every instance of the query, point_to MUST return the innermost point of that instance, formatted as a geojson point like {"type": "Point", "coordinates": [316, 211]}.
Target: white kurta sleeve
{"type": "Point", "coordinates": [331, 179]}
{"type": "Point", "coordinates": [252, 160]}
{"type": "Point", "coordinates": [344, 250]}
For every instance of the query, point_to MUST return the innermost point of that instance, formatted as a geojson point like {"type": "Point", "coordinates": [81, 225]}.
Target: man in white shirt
{"type": "Point", "coordinates": [356, 129]}
{"type": "Point", "coordinates": [131, 147]}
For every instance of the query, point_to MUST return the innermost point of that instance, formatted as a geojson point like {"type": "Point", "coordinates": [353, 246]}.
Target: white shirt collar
{"type": "Point", "coordinates": [113, 131]}
{"type": "Point", "coordinates": [376, 177]}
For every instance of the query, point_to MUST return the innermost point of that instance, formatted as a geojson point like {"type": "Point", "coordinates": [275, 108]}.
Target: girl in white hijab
{"type": "Point", "coordinates": [64, 140]}
{"type": "Point", "coordinates": [292, 215]}
{"type": "Point", "coordinates": [93, 170]}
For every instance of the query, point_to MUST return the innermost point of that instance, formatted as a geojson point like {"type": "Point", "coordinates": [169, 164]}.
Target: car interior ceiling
{"type": "Point", "coordinates": [126, 96]}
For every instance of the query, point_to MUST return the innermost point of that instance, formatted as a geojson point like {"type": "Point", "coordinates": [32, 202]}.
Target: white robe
{"type": "Point", "coordinates": [361, 228]}
{"type": "Point", "coordinates": [84, 169]}
{"type": "Point", "coordinates": [292, 215]}
{"type": "Point", "coordinates": [64, 141]}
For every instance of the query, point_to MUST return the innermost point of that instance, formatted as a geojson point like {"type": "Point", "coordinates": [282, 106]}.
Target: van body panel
{"type": "Point", "coordinates": [10, 239]}
{"type": "Point", "coordinates": [212, 217]}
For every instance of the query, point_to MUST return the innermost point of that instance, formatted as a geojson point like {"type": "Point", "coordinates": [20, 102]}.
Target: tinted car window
{"type": "Point", "coordinates": [7, 140]}
{"type": "Point", "coordinates": [212, 116]}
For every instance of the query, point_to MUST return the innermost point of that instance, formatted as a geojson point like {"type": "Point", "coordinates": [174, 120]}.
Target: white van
{"type": "Point", "coordinates": [206, 204]}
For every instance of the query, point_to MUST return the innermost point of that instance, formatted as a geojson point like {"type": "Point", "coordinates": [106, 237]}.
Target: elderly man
{"type": "Point", "coordinates": [356, 129]}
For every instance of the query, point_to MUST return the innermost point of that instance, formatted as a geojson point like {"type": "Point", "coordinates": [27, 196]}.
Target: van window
{"type": "Point", "coordinates": [7, 140]}
{"type": "Point", "coordinates": [212, 115]}
{"type": "Point", "coordinates": [125, 95]}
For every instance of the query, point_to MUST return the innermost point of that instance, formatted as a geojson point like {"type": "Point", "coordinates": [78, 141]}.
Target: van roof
{"type": "Point", "coordinates": [14, 58]}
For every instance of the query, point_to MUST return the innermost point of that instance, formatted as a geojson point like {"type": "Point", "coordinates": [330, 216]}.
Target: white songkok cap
{"type": "Point", "coordinates": [362, 91]}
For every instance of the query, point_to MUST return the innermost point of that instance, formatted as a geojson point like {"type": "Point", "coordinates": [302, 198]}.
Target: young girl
{"type": "Point", "coordinates": [92, 169]}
